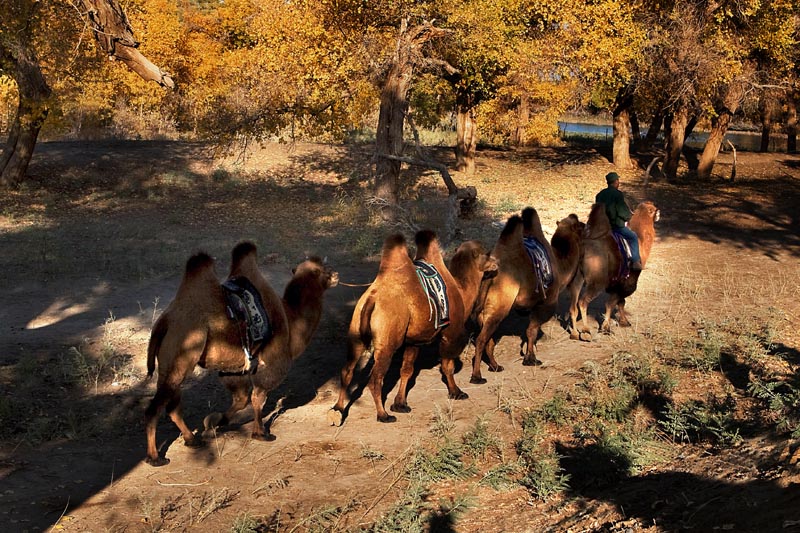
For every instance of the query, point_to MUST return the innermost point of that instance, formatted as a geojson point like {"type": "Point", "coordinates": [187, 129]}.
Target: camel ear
{"type": "Point", "coordinates": [294, 271]}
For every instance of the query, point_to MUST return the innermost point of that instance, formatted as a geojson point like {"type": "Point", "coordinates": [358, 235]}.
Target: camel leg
{"type": "Point", "coordinates": [449, 351]}
{"type": "Point", "coordinates": [400, 404]}
{"type": "Point", "coordinates": [259, 397]}
{"type": "Point", "coordinates": [151, 415]}
{"type": "Point", "coordinates": [355, 351]}
{"type": "Point", "coordinates": [575, 287]}
{"type": "Point", "coordinates": [591, 292]}
{"type": "Point", "coordinates": [623, 320]}
{"type": "Point", "coordinates": [240, 397]}
{"type": "Point", "coordinates": [540, 315]}
{"type": "Point", "coordinates": [484, 344]}
{"type": "Point", "coordinates": [176, 414]}
{"type": "Point", "coordinates": [383, 358]}
{"type": "Point", "coordinates": [611, 303]}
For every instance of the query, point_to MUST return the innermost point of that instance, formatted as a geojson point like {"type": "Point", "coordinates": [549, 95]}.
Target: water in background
{"type": "Point", "coordinates": [742, 140]}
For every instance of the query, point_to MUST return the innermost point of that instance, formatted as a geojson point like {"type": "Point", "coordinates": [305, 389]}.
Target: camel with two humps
{"type": "Point", "coordinates": [195, 330]}
{"type": "Point", "coordinates": [600, 268]}
{"type": "Point", "coordinates": [517, 285]}
{"type": "Point", "coordinates": [395, 313]}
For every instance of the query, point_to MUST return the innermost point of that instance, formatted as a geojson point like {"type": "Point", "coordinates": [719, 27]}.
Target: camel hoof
{"type": "Point", "coordinates": [387, 419]}
{"type": "Point", "coordinates": [264, 437]}
{"type": "Point", "coordinates": [403, 408]}
{"type": "Point", "coordinates": [194, 442]}
{"type": "Point", "coordinates": [585, 336]}
{"type": "Point", "coordinates": [212, 421]}
{"type": "Point", "coordinates": [458, 395]}
{"type": "Point", "coordinates": [158, 461]}
{"type": "Point", "coordinates": [498, 368]}
{"type": "Point", "coordinates": [477, 380]}
{"type": "Point", "coordinates": [531, 362]}
{"type": "Point", "coordinates": [625, 324]}
{"type": "Point", "coordinates": [335, 418]}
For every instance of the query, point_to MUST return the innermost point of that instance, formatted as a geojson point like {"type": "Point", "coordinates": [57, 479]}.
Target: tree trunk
{"type": "Point", "coordinates": [636, 130]}
{"type": "Point", "coordinates": [791, 124]}
{"type": "Point", "coordinates": [466, 138]}
{"type": "Point", "coordinates": [20, 61]}
{"type": "Point", "coordinates": [393, 108]}
{"type": "Point", "coordinates": [719, 127]}
{"type": "Point", "coordinates": [653, 130]}
{"type": "Point", "coordinates": [766, 123]}
{"type": "Point", "coordinates": [622, 131]}
{"type": "Point", "coordinates": [675, 139]}
{"type": "Point", "coordinates": [520, 137]}
{"type": "Point", "coordinates": [389, 136]}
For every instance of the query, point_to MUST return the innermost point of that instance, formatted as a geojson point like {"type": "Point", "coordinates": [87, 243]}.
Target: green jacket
{"type": "Point", "coordinates": [617, 210]}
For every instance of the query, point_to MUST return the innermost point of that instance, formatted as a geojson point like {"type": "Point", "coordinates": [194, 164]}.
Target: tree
{"type": "Point", "coordinates": [23, 25]}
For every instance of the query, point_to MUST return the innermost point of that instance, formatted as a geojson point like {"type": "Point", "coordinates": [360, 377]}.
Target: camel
{"type": "Point", "coordinates": [517, 284]}
{"type": "Point", "coordinates": [395, 312]}
{"type": "Point", "coordinates": [600, 268]}
{"type": "Point", "coordinates": [195, 330]}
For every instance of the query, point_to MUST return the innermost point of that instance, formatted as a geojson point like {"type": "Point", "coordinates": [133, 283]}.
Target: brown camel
{"type": "Point", "coordinates": [196, 330]}
{"type": "Point", "coordinates": [518, 286]}
{"type": "Point", "coordinates": [395, 312]}
{"type": "Point", "coordinates": [600, 267]}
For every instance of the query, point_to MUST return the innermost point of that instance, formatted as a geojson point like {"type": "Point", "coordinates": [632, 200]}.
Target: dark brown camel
{"type": "Point", "coordinates": [517, 285]}
{"type": "Point", "coordinates": [600, 267]}
{"type": "Point", "coordinates": [195, 330]}
{"type": "Point", "coordinates": [394, 312]}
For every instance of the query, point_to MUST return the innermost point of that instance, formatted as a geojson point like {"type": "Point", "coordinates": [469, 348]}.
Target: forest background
{"type": "Point", "coordinates": [502, 71]}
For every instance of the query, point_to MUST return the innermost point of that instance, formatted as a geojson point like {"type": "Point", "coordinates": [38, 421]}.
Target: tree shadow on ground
{"type": "Point", "coordinates": [681, 500]}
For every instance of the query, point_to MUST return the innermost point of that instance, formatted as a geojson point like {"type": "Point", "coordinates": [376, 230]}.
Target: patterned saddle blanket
{"type": "Point", "coordinates": [244, 306]}
{"type": "Point", "coordinates": [541, 262]}
{"type": "Point", "coordinates": [435, 289]}
{"type": "Point", "coordinates": [625, 250]}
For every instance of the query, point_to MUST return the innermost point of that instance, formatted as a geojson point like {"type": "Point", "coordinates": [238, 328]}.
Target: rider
{"type": "Point", "coordinates": [619, 214]}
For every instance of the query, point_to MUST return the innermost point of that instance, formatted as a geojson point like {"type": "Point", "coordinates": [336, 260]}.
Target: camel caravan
{"type": "Point", "coordinates": [242, 329]}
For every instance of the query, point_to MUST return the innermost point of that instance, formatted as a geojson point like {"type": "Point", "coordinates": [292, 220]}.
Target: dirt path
{"type": "Point", "coordinates": [96, 480]}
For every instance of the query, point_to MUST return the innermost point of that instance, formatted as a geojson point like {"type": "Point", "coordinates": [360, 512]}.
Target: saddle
{"type": "Point", "coordinates": [436, 291]}
{"type": "Point", "coordinates": [537, 253]}
{"type": "Point", "coordinates": [244, 306]}
{"type": "Point", "coordinates": [625, 251]}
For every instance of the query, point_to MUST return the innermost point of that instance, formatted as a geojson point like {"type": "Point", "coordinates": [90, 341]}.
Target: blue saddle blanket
{"type": "Point", "coordinates": [541, 262]}
{"type": "Point", "coordinates": [244, 306]}
{"type": "Point", "coordinates": [435, 289]}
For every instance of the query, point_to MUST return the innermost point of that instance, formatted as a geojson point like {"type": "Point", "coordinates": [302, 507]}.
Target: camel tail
{"type": "Point", "coordinates": [156, 338]}
{"type": "Point", "coordinates": [364, 330]}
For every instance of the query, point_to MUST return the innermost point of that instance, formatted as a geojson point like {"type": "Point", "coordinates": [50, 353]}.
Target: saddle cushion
{"type": "Point", "coordinates": [244, 305]}
{"type": "Point", "coordinates": [541, 262]}
{"type": "Point", "coordinates": [435, 289]}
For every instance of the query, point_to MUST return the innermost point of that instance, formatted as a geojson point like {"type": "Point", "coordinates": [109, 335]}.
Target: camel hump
{"type": "Point", "coordinates": [427, 244]}
{"type": "Point", "coordinates": [394, 251]}
{"type": "Point", "coordinates": [513, 225]}
{"type": "Point", "coordinates": [529, 218]}
{"type": "Point", "coordinates": [197, 264]}
{"type": "Point", "coordinates": [598, 224]}
{"type": "Point", "coordinates": [241, 251]}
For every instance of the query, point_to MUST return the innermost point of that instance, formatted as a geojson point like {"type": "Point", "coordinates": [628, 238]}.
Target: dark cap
{"type": "Point", "coordinates": [611, 177]}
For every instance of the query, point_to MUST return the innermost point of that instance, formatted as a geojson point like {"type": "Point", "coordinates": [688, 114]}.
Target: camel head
{"type": "Point", "coordinates": [316, 270]}
{"type": "Point", "coordinates": [649, 210]}
{"type": "Point", "coordinates": [475, 252]}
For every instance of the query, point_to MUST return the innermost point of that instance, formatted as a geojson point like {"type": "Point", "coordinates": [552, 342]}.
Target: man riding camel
{"type": "Point", "coordinates": [619, 214]}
